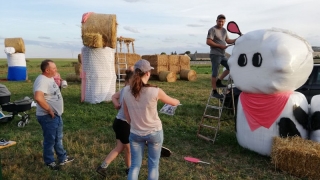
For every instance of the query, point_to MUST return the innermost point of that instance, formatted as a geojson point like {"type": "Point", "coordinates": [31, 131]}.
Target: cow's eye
{"type": "Point", "coordinates": [242, 60]}
{"type": "Point", "coordinates": [257, 60]}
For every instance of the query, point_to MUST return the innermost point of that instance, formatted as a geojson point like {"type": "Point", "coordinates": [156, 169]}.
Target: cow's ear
{"type": "Point", "coordinates": [315, 121]}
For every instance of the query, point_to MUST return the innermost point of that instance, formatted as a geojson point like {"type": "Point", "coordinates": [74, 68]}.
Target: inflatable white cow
{"type": "Point", "coordinates": [315, 118]}
{"type": "Point", "coordinates": [268, 65]}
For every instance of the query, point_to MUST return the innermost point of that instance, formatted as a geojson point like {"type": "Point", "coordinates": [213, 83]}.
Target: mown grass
{"type": "Point", "coordinates": [88, 136]}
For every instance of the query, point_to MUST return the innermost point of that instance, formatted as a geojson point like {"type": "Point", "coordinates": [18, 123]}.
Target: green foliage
{"type": "Point", "coordinates": [163, 53]}
{"type": "Point", "coordinates": [187, 52]}
{"type": "Point", "coordinates": [316, 57]}
{"type": "Point", "coordinates": [89, 137]}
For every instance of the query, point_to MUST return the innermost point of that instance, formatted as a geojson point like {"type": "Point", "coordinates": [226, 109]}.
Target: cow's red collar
{"type": "Point", "coordinates": [263, 109]}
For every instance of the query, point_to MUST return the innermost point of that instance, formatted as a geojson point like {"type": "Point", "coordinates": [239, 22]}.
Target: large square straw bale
{"type": "Point", "coordinates": [92, 40]}
{"type": "Point", "coordinates": [297, 156]}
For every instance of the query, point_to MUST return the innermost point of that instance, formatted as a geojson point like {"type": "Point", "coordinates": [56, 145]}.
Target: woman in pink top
{"type": "Point", "coordinates": [140, 108]}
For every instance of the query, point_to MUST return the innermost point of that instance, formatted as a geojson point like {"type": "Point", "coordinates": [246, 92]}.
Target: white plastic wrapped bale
{"type": "Point", "coordinates": [17, 67]}
{"type": "Point", "coordinates": [315, 118]}
{"type": "Point", "coordinates": [268, 65]}
{"type": "Point", "coordinates": [98, 76]}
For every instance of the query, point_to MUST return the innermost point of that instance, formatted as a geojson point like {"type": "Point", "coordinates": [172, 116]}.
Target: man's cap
{"type": "Point", "coordinates": [221, 16]}
{"type": "Point", "coordinates": [143, 65]}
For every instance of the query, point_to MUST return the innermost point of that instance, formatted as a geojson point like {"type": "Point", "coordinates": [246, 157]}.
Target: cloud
{"type": "Point", "coordinates": [130, 1]}
{"type": "Point", "coordinates": [131, 29]}
{"type": "Point", "coordinates": [194, 25]}
{"type": "Point", "coordinates": [66, 45]}
{"type": "Point", "coordinates": [193, 35]}
{"type": "Point", "coordinates": [44, 37]}
{"type": "Point", "coordinates": [169, 40]}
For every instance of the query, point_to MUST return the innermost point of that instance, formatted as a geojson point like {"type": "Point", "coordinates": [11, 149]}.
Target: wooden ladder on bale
{"type": "Point", "coordinates": [122, 65]}
{"type": "Point", "coordinates": [211, 118]}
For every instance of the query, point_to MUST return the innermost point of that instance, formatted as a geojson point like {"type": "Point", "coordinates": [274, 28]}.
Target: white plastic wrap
{"type": "Point", "coordinates": [16, 59]}
{"type": "Point", "coordinates": [315, 106]}
{"type": "Point", "coordinates": [99, 74]}
{"type": "Point", "coordinates": [9, 50]}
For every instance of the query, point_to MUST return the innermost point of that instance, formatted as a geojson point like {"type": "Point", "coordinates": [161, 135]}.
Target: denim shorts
{"type": "Point", "coordinates": [216, 60]}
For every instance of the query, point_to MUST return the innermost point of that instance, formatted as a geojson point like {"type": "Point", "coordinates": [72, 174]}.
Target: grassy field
{"type": "Point", "coordinates": [88, 136]}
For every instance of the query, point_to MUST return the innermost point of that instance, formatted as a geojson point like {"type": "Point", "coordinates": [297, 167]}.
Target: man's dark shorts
{"type": "Point", "coordinates": [216, 60]}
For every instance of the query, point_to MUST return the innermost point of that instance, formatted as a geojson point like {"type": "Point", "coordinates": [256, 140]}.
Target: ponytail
{"type": "Point", "coordinates": [137, 83]}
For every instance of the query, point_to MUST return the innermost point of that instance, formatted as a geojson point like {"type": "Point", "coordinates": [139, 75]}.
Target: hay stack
{"type": "Point", "coordinates": [174, 63]}
{"type": "Point", "coordinates": [297, 156]}
{"type": "Point", "coordinates": [187, 74]}
{"type": "Point", "coordinates": [130, 57]}
{"type": "Point", "coordinates": [184, 62]}
{"type": "Point", "coordinates": [103, 24]}
{"type": "Point", "coordinates": [73, 78]}
{"type": "Point", "coordinates": [78, 69]}
{"type": "Point", "coordinates": [167, 76]}
{"type": "Point", "coordinates": [79, 58]}
{"type": "Point", "coordinates": [17, 43]}
{"type": "Point", "coordinates": [159, 62]}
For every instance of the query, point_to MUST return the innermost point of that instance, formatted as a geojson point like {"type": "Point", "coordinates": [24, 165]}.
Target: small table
{"type": "Point", "coordinates": [11, 143]}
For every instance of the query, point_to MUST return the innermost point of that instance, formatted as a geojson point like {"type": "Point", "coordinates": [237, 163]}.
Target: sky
{"type": "Point", "coordinates": [52, 28]}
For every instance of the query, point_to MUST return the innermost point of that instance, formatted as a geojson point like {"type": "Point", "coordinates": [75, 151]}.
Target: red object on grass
{"type": "Point", "coordinates": [194, 160]}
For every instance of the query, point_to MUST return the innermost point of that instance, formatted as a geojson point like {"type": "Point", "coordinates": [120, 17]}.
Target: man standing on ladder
{"type": "Point", "coordinates": [218, 39]}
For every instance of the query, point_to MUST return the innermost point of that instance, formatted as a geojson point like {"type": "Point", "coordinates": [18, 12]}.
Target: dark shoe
{"type": "Point", "coordinates": [69, 159]}
{"type": "Point", "coordinates": [217, 95]}
{"type": "Point", "coordinates": [219, 84]}
{"type": "Point", "coordinates": [102, 171]}
{"type": "Point", "coordinates": [165, 152]}
{"type": "Point", "coordinates": [53, 166]}
{"type": "Point", "coordinates": [127, 171]}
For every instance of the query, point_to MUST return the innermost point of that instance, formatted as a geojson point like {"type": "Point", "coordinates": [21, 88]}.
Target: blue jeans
{"type": "Point", "coordinates": [216, 60]}
{"type": "Point", "coordinates": [52, 134]}
{"type": "Point", "coordinates": [137, 144]}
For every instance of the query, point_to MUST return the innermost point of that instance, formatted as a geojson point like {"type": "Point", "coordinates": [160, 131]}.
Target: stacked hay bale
{"type": "Point", "coordinates": [17, 66]}
{"type": "Point", "coordinates": [159, 62]}
{"type": "Point", "coordinates": [172, 63]}
{"type": "Point", "coordinates": [131, 58]}
{"type": "Point", "coordinates": [297, 156]}
{"type": "Point", "coordinates": [99, 36]}
{"type": "Point", "coordinates": [77, 68]}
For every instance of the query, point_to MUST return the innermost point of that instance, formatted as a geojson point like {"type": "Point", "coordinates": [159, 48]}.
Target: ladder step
{"type": "Point", "coordinates": [207, 126]}
{"type": "Point", "coordinates": [203, 137]}
{"type": "Point", "coordinates": [214, 107]}
{"type": "Point", "coordinates": [213, 117]}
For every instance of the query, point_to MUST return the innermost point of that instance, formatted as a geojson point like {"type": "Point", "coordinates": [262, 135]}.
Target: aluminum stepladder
{"type": "Point", "coordinates": [121, 62]}
{"type": "Point", "coordinates": [211, 117]}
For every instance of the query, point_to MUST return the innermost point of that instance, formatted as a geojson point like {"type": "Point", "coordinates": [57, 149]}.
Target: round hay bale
{"type": "Point", "coordinates": [78, 68]}
{"type": "Point", "coordinates": [167, 76]}
{"type": "Point", "coordinates": [103, 24]}
{"type": "Point", "coordinates": [79, 58]}
{"type": "Point", "coordinates": [17, 43]}
{"type": "Point", "coordinates": [189, 75]}
{"type": "Point", "coordinates": [73, 78]}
